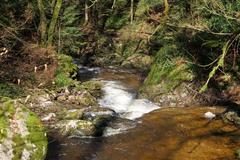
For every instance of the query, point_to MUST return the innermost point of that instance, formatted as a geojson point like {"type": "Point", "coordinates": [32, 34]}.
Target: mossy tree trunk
{"type": "Point", "coordinates": [166, 6]}
{"type": "Point", "coordinates": [43, 22]}
{"type": "Point", "coordinates": [53, 22]}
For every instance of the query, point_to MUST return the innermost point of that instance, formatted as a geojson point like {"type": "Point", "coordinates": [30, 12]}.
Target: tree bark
{"type": "Point", "coordinates": [132, 11]}
{"type": "Point", "coordinates": [114, 3]}
{"type": "Point", "coordinates": [53, 22]}
{"type": "Point", "coordinates": [166, 6]}
{"type": "Point", "coordinates": [43, 22]}
{"type": "Point", "coordinates": [86, 12]}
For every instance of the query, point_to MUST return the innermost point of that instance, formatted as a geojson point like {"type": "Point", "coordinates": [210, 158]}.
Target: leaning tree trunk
{"type": "Point", "coordinates": [166, 5]}
{"type": "Point", "coordinates": [43, 22]}
{"type": "Point", "coordinates": [53, 22]}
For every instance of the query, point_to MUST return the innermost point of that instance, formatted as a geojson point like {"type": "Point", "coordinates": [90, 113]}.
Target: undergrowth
{"type": "Point", "coordinates": [66, 71]}
{"type": "Point", "coordinates": [11, 90]}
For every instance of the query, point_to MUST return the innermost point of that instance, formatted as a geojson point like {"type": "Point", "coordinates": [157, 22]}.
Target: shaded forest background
{"type": "Point", "coordinates": [193, 41]}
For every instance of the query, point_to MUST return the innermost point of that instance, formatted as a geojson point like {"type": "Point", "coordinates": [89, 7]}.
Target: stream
{"type": "Point", "coordinates": [145, 131]}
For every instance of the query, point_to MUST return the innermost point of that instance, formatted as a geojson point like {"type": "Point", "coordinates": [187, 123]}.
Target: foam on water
{"type": "Point", "coordinates": [119, 99]}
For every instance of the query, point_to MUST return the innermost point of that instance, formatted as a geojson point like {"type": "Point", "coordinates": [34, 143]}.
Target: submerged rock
{"type": "Point", "coordinates": [237, 153]}
{"type": "Point", "coordinates": [22, 135]}
{"type": "Point", "coordinates": [232, 117]}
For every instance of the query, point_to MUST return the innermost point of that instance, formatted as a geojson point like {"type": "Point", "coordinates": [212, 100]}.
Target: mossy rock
{"type": "Point", "coordinates": [166, 83]}
{"type": "Point", "coordinates": [93, 87]}
{"type": "Point", "coordinates": [73, 114]}
{"type": "Point", "coordinates": [22, 135]}
{"type": "Point", "coordinates": [92, 113]}
{"type": "Point", "coordinates": [138, 61]}
{"type": "Point", "coordinates": [86, 99]}
{"type": "Point", "coordinates": [76, 128]}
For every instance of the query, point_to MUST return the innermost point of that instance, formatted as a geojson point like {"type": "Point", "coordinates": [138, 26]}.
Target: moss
{"type": "Point", "coordinates": [169, 69]}
{"type": "Point", "coordinates": [93, 87]}
{"type": "Point", "coordinates": [4, 124]}
{"type": "Point", "coordinates": [18, 149]}
{"type": "Point", "coordinates": [8, 108]}
{"type": "Point", "coordinates": [34, 142]}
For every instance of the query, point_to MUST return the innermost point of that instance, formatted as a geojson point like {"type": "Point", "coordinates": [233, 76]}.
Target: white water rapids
{"type": "Point", "coordinates": [118, 98]}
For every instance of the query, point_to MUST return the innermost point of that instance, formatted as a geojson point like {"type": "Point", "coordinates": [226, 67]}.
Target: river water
{"type": "Point", "coordinates": [144, 131]}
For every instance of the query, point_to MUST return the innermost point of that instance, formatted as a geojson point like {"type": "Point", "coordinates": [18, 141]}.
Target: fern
{"type": "Point", "coordinates": [70, 32]}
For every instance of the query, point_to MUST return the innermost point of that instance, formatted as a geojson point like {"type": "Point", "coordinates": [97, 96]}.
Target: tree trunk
{"type": "Point", "coordinates": [86, 12]}
{"type": "Point", "coordinates": [166, 5]}
{"type": "Point", "coordinates": [43, 22]}
{"type": "Point", "coordinates": [53, 22]}
{"type": "Point", "coordinates": [132, 11]}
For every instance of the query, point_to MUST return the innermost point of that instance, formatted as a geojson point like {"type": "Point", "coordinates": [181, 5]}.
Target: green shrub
{"type": "Point", "coordinates": [145, 5]}
{"type": "Point", "coordinates": [66, 71]}
{"type": "Point", "coordinates": [10, 90]}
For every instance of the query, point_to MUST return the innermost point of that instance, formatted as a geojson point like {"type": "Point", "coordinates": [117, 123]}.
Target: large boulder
{"type": "Point", "coordinates": [138, 61]}
{"type": "Point", "coordinates": [22, 136]}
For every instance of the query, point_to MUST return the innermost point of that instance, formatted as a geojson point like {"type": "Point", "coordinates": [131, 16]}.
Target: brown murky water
{"type": "Point", "coordinates": [165, 134]}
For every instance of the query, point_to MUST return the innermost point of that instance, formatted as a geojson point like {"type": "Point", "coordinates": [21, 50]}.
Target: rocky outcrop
{"type": "Point", "coordinates": [22, 136]}
{"type": "Point", "coordinates": [170, 84]}
{"type": "Point", "coordinates": [84, 94]}
{"type": "Point", "coordinates": [72, 111]}
{"type": "Point", "coordinates": [180, 96]}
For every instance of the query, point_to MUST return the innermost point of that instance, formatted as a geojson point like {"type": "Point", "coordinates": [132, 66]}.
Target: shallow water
{"type": "Point", "coordinates": [164, 134]}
